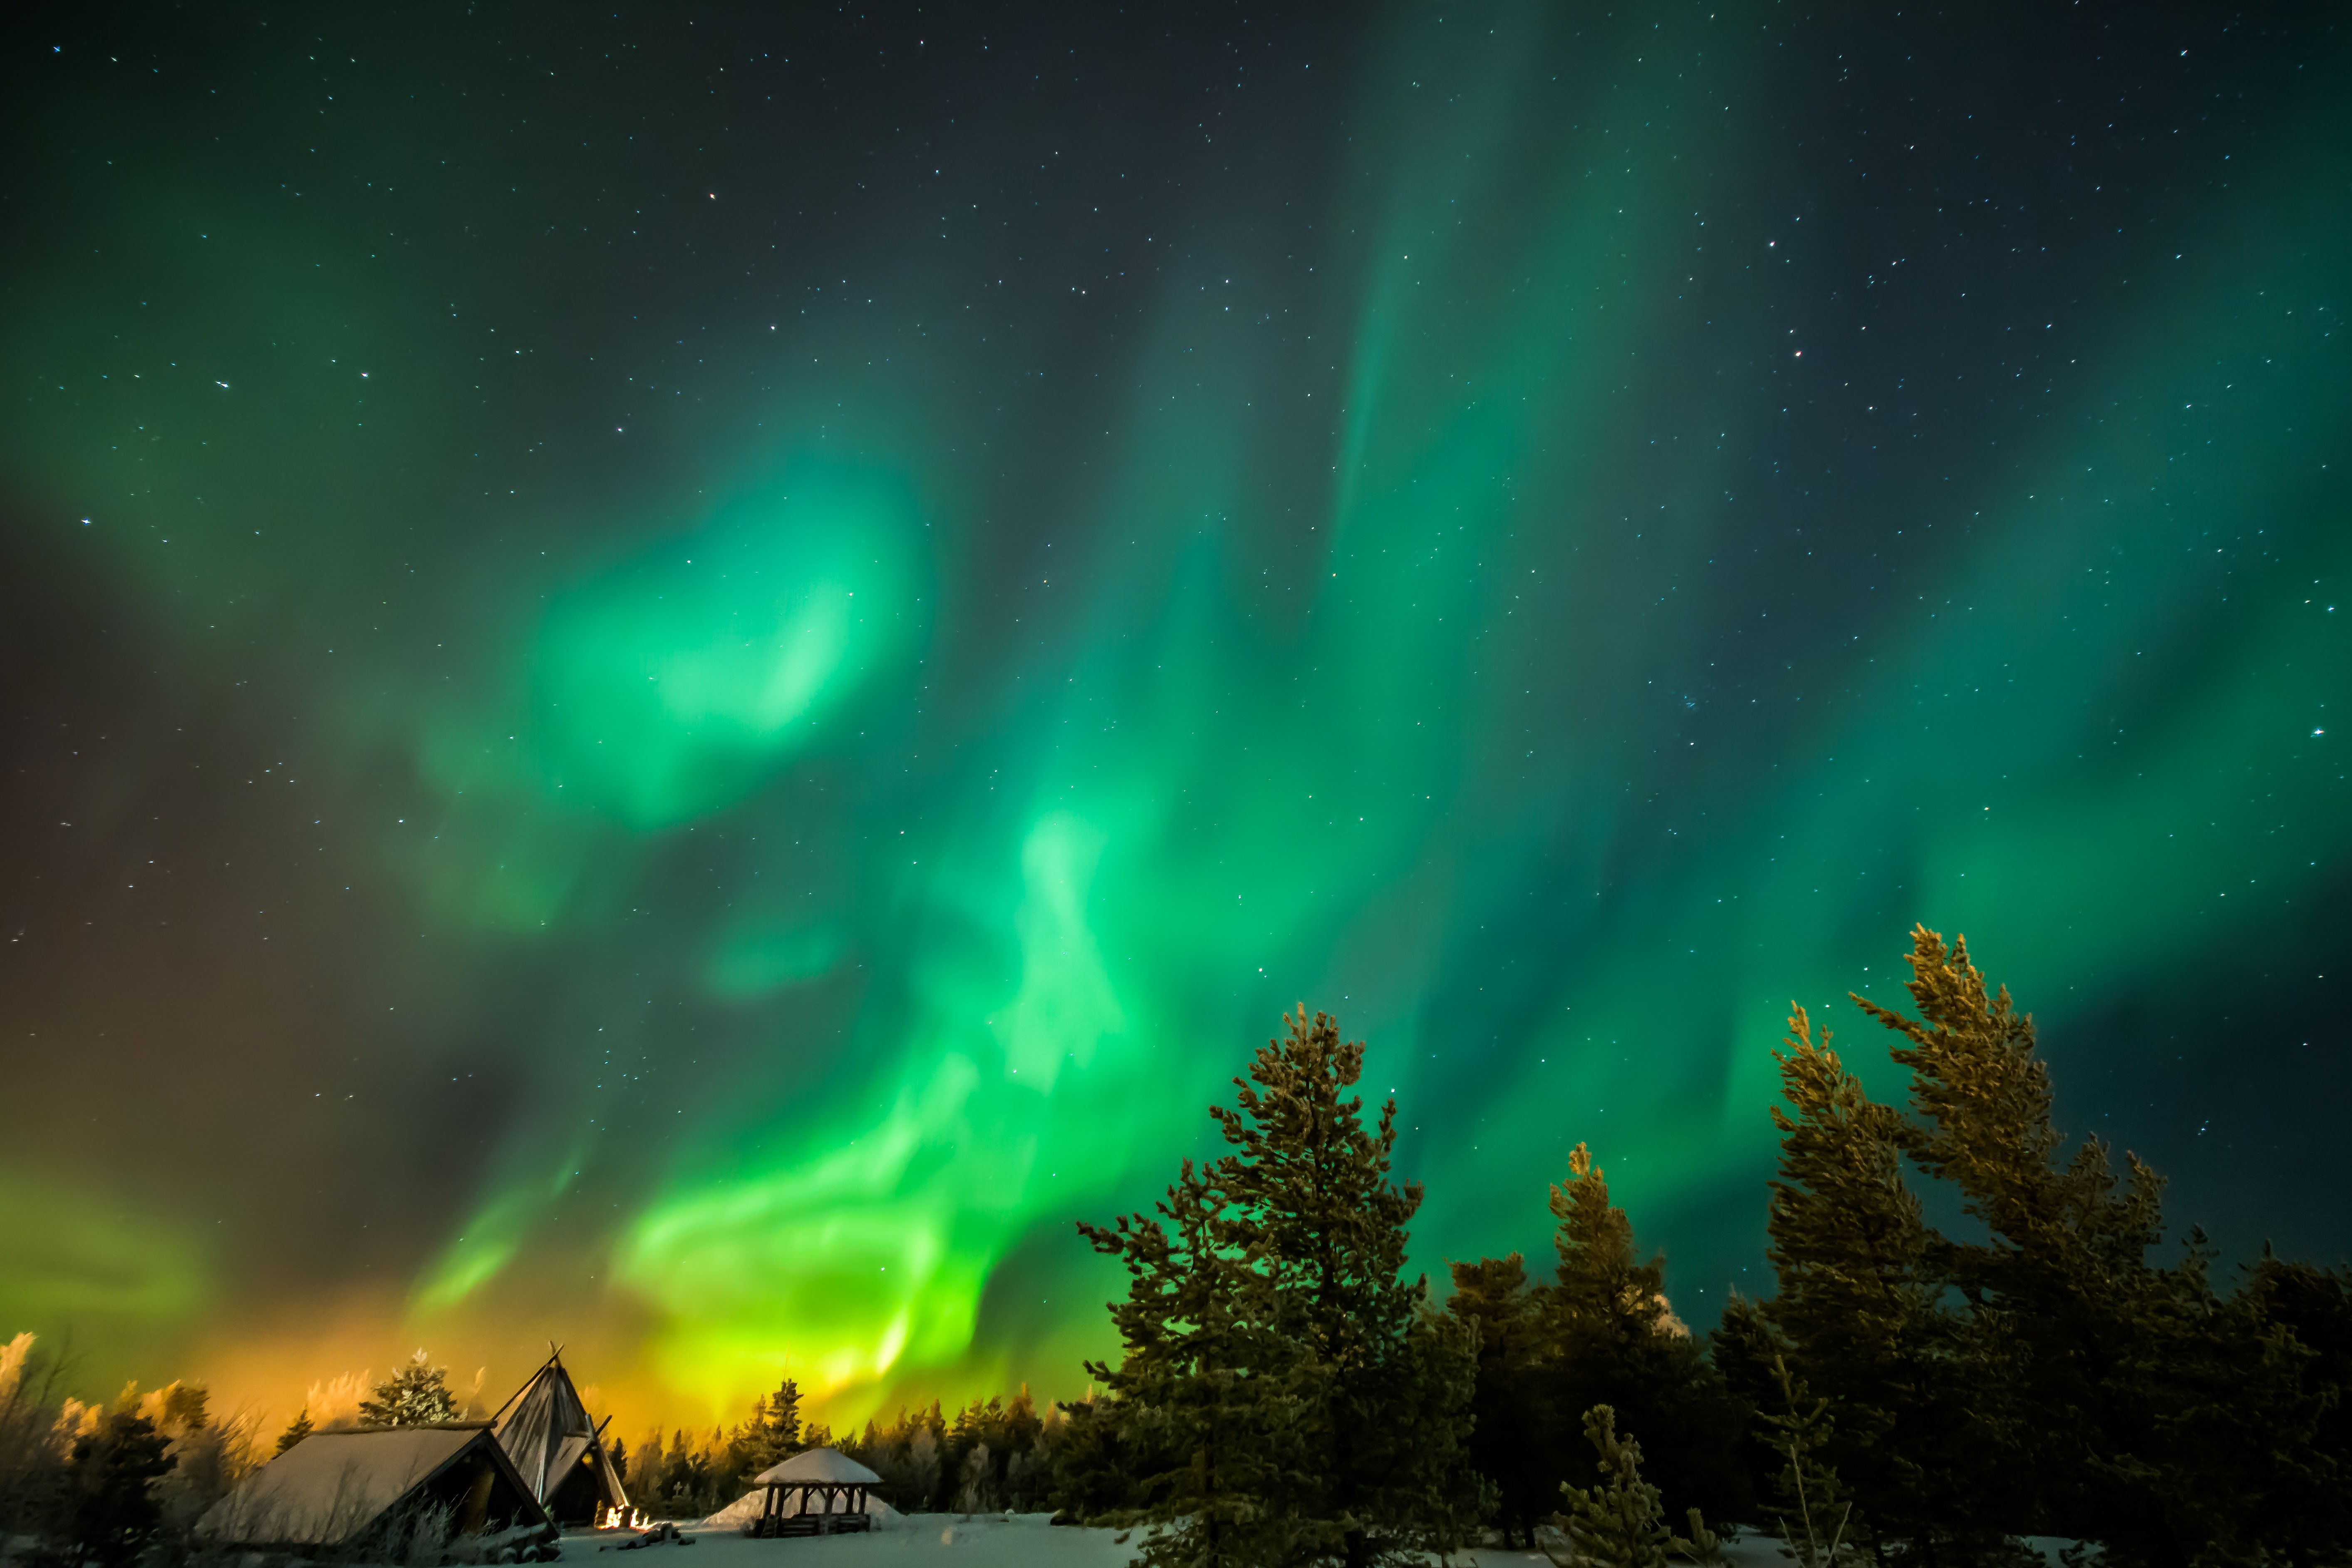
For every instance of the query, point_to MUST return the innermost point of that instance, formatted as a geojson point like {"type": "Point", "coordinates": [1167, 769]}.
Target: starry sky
{"type": "Point", "coordinates": [678, 680]}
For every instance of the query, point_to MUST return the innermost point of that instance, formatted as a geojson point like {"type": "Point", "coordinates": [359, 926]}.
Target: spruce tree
{"type": "Point", "coordinates": [1816, 1517]}
{"type": "Point", "coordinates": [1742, 1347]}
{"type": "Point", "coordinates": [1097, 1464]}
{"type": "Point", "coordinates": [1610, 1337]}
{"type": "Point", "coordinates": [416, 1395]}
{"type": "Point", "coordinates": [1313, 1404]}
{"type": "Point", "coordinates": [1511, 1439]}
{"type": "Point", "coordinates": [109, 1509]}
{"type": "Point", "coordinates": [1617, 1522]}
{"type": "Point", "coordinates": [771, 1434]}
{"type": "Point", "coordinates": [2305, 1495]}
{"type": "Point", "coordinates": [296, 1430]}
{"type": "Point", "coordinates": [783, 1417]}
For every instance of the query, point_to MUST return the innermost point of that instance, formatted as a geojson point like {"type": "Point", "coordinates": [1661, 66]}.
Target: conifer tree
{"type": "Point", "coordinates": [1510, 1443]}
{"type": "Point", "coordinates": [2062, 1283]}
{"type": "Point", "coordinates": [771, 1434]}
{"type": "Point", "coordinates": [1610, 1337]}
{"type": "Point", "coordinates": [1379, 1387]}
{"type": "Point", "coordinates": [1191, 1390]}
{"type": "Point", "coordinates": [1315, 1404]}
{"type": "Point", "coordinates": [1096, 1463]}
{"type": "Point", "coordinates": [1617, 1522]}
{"type": "Point", "coordinates": [1860, 1274]}
{"type": "Point", "coordinates": [1816, 1516]}
{"type": "Point", "coordinates": [1741, 1348]}
{"type": "Point", "coordinates": [110, 1510]}
{"type": "Point", "coordinates": [783, 1417]}
{"type": "Point", "coordinates": [2285, 1310]}
{"type": "Point", "coordinates": [296, 1430]}
{"type": "Point", "coordinates": [415, 1395]}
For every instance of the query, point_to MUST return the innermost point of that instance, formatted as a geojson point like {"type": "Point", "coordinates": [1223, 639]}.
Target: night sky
{"type": "Point", "coordinates": [676, 681]}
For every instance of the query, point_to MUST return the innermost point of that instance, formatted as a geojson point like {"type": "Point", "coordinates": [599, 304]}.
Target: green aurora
{"type": "Point", "coordinates": [691, 691]}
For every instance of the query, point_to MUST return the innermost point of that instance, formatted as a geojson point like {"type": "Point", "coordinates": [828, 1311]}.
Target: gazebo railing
{"type": "Point", "coordinates": [776, 1520]}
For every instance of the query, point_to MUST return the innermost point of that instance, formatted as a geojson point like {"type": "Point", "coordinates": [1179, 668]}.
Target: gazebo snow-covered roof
{"type": "Point", "coordinates": [828, 1487]}
{"type": "Point", "coordinates": [333, 1487]}
{"type": "Point", "coordinates": [818, 1466]}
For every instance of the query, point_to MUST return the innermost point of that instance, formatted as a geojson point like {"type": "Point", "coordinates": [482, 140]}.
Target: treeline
{"type": "Point", "coordinates": [2041, 1374]}
{"type": "Point", "coordinates": [1287, 1395]}
{"type": "Point", "coordinates": [84, 1483]}
{"type": "Point", "coordinates": [696, 1475]}
{"type": "Point", "coordinates": [992, 1455]}
{"type": "Point", "coordinates": [121, 1483]}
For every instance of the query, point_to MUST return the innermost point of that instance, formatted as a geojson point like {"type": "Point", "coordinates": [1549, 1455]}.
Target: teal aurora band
{"type": "Point", "coordinates": [679, 683]}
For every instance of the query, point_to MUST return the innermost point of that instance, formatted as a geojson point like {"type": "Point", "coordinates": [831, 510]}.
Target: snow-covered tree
{"type": "Point", "coordinates": [415, 1395]}
{"type": "Point", "coordinates": [1618, 1522]}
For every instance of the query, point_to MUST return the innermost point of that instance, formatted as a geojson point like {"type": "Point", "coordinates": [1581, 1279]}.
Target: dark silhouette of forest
{"type": "Point", "coordinates": [1287, 1395]}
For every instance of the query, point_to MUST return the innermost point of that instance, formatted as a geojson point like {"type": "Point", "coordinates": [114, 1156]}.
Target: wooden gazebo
{"type": "Point", "coordinates": [819, 1492]}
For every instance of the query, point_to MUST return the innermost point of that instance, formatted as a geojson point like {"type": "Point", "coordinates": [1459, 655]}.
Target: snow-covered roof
{"type": "Point", "coordinates": [754, 1503]}
{"type": "Point", "coordinates": [818, 1466]}
{"type": "Point", "coordinates": [332, 1485]}
{"type": "Point", "coordinates": [544, 1430]}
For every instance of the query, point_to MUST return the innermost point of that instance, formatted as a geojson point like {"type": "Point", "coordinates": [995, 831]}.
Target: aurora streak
{"type": "Point", "coordinates": [679, 687]}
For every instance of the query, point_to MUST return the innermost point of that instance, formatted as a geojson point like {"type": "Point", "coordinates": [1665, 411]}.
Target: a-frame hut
{"type": "Point", "coordinates": [560, 1452]}
{"type": "Point", "coordinates": [353, 1491]}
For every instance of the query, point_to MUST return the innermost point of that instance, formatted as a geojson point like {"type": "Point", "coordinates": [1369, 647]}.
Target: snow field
{"type": "Point", "coordinates": [987, 1541]}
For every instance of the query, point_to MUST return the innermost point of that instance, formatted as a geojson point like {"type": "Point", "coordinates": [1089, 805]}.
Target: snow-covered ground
{"type": "Point", "coordinates": [942, 1540]}
{"type": "Point", "coordinates": [990, 1541]}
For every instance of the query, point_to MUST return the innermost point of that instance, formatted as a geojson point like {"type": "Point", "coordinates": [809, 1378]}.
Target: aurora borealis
{"type": "Point", "coordinates": [678, 682]}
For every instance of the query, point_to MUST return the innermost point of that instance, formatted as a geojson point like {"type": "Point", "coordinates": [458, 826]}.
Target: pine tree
{"type": "Point", "coordinates": [769, 1435]}
{"type": "Point", "coordinates": [1860, 1274]}
{"type": "Point", "coordinates": [1611, 1338]}
{"type": "Point", "coordinates": [1313, 1405]}
{"type": "Point", "coordinates": [2304, 1492]}
{"type": "Point", "coordinates": [296, 1430]}
{"type": "Point", "coordinates": [1741, 1347]}
{"type": "Point", "coordinates": [1818, 1527]}
{"type": "Point", "coordinates": [110, 1510]}
{"type": "Point", "coordinates": [1096, 1463]}
{"type": "Point", "coordinates": [2061, 1287]}
{"type": "Point", "coordinates": [1187, 1394]}
{"type": "Point", "coordinates": [1616, 1524]}
{"type": "Point", "coordinates": [416, 1395]}
{"type": "Point", "coordinates": [1378, 1389]}
{"type": "Point", "coordinates": [2047, 1378]}
{"type": "Point", "coordinates": [1511, 1442]}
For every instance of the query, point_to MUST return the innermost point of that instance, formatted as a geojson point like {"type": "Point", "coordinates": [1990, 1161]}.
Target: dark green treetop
{"type": "Point", "coordinates": [1306, 1402]}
